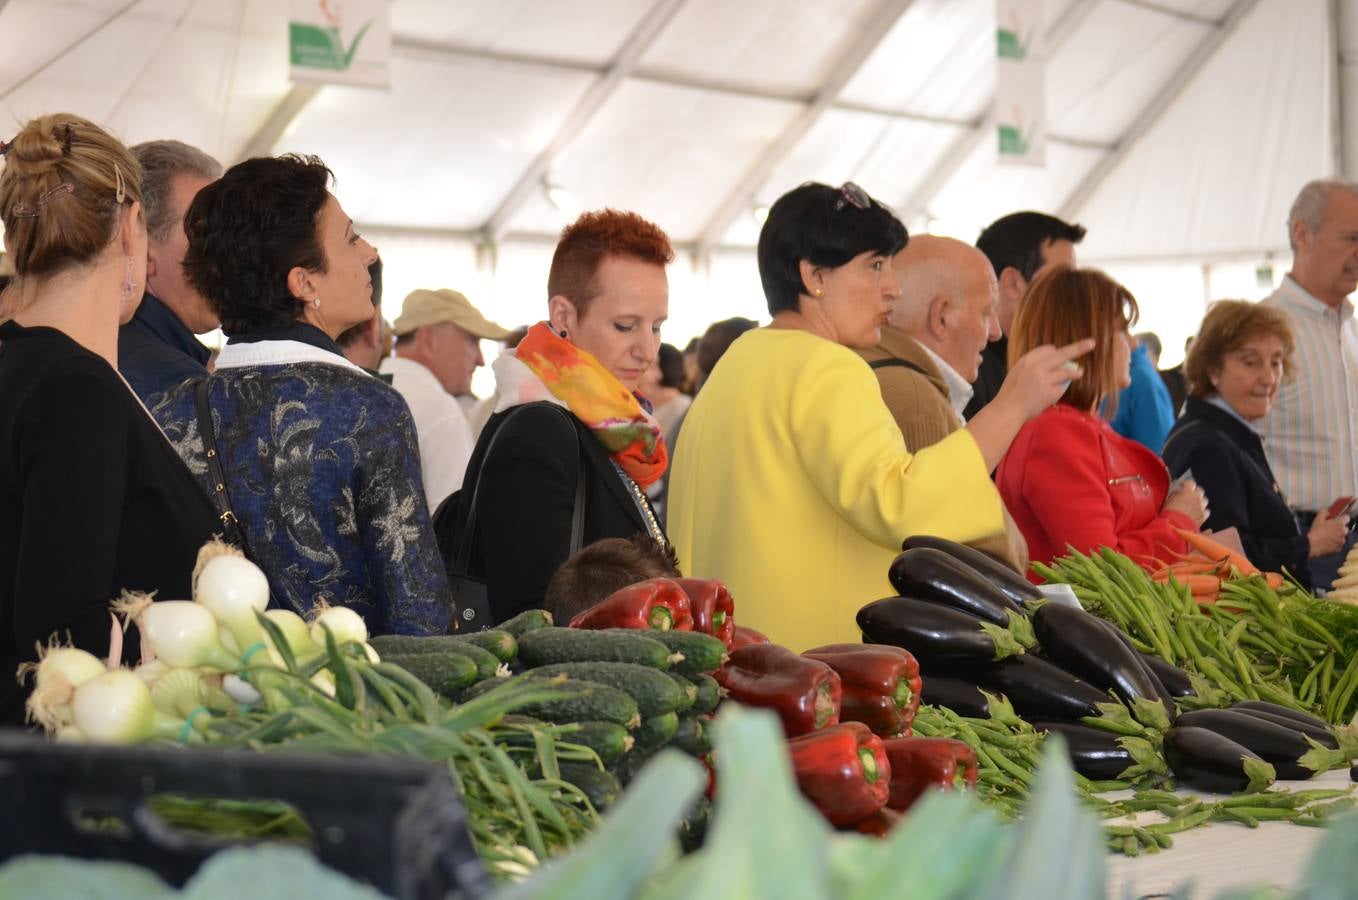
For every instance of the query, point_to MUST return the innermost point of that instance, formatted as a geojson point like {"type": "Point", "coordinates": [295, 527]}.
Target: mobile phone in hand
{"type": "Point", "coordinates": [1179, 482]}
{"type": "Point", "coordinates": [1341, 507]}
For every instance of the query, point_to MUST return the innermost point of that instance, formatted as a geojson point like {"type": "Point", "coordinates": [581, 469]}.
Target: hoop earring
{"type": "Point", "coordinates": [129, 284]}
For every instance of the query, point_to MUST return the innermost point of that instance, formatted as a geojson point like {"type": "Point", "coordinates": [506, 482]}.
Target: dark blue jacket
{"type": "Point", "coordinates": [1228, 462]}
{"type": "Point", "coordinates": [157, 352]}
{"type": "Point", "coordinates": [1145, 412]}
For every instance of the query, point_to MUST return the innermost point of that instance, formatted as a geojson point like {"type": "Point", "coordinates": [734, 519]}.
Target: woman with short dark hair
{"type": "Point", "coordinates": [1241, 356]}
{"type": "Point", "coordinates": [320, 462]}
{"type": "Point", "coordinates": [792, 482]}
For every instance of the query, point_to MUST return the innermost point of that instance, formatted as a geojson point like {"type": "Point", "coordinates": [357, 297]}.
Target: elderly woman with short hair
{"type": "Point", "coordinates": [1240, 357]}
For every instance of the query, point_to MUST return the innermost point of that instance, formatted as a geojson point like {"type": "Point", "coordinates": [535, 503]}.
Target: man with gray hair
{"type": "Point", "coordinates": [1311, 432]}
{"type": "Point", "coordinates": [157, 349]}
{"type": "Point", "coordinates": [930, 352]}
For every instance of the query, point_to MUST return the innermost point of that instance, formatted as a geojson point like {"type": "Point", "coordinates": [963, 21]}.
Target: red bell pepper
{"type": "Point", "coordinates": [879, 823]}
{"type": "Point", "coordinates": [843, 771]}
{"type": "Point", "coordinates": [881, 685]}
{"type": "Point", "coordinates": [660, 604]}
{"type": "Point", "coordinates": [804, 692]}
{"type": "Point", "coordinates": [744, 636]}
{"type": "Point", "coordinates": [713, 609]}
{"type": "Point", "coordinates": [920, 764]}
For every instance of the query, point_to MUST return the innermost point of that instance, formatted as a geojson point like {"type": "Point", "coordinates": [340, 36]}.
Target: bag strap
{"type": "Point", "coordinates": [893, 361]}
{"type": "Point", "coordinates": [464, 548]}
{"type": "Point", "coordinates": [221, 500]}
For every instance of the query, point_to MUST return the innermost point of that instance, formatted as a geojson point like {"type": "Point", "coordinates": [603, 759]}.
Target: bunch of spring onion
{"type": "Point", "coordinates": [223, 670]}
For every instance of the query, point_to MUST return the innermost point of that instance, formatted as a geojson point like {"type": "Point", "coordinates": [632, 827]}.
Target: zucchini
{"type": "Point", "coordinates": [688, 693]}
{"type": "Point", "coordinates": [500, 643]}
{"type": "Point", "coordinates": [587, 702]}
{"type": "Point", "coordinates": [546, 646]}
{"type": "Point", "coordinates": [709, 695]}
{"type": "Point", "coordinates": [526, 621]}
{"type": "Point", "coordinates": [608, 739]}
{"type": "Point", "coordinates": [655, 692]}
{"type": "Point", "coordinates": [657, 731]}
{"type": "Point", "coordinates": [692, 736]}
{"type": "Point", "coordinates": [701, 652]}
{"type": "Point", "coordinates": [407, 645]}
{"type": "Point", "coordinates": [445, 673]}
{"type": "Point", "coordinates": [600, 786]}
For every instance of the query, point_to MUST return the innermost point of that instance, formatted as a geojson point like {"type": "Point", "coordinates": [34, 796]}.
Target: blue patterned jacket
{"type": "Point", "coordinates": [323, 471]}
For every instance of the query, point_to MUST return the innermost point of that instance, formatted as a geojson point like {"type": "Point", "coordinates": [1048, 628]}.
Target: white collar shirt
{"type": "Point", "coordinates": [959, 389]}
{"type": "Point", "coordinates": [444, 434]}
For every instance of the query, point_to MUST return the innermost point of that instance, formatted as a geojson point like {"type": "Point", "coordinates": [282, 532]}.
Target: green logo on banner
{"type": "Point", "coordinates": [1012, 141]}
{"type": "Point", "coordinates": [320, 48]}
{"type": "Point", "coordinates": [1009, 46]}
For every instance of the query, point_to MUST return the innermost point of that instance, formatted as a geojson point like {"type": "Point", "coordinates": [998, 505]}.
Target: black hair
{"type": "Point", "coordinates": [718, 339]}
{"type": "Point", "coordinates": [671, 364]}
{"type": "Point", "coordinates": [375, 275]}
{"type": "Point", "coordinates": [819, 224]}
{"type": "Point", "coordinates": [1015, 241]}
{"type": "Point", "coordinates": [247, 230]}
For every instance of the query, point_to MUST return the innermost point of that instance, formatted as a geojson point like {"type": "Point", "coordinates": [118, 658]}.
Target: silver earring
{"type": "Point", "coordinates": [316, 302]}
{"type": "Point", "coordinates": [129, 284]}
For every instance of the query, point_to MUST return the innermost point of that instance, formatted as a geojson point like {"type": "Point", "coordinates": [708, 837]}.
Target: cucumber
{"type": "Point", "coordinates": [701, 652]}
{"type": "Point", "coordinates": [601, 787]}
{"type": "Point", "coordinates": [657, 731]}
{"type": "Point", "coordinates": [655, 692]}
{"type": "Point", "coordinates": [445, 673]}
{"type": "Point", "coordinates": [500, 643]}
{"type": "Point", "coordinates": [407, 645]}
{"type": "Point", "coordinates": [546, 646]}
{"type": "Point", "coordinates": [693, 827]}
{"type": "Point", "coordinates": [587, 702]}
{"type": "Point", "coordinates": [627, 768]}
{"type": "Point", "coordinates": [608, 739]}
{"type": "Point", "coordinates": [479, 687]}
{"type": "Point", "coordinates": [526, 621]}
{"type": "Point", "coordinates": [688, 693]}
{"type": "Point", "coordinates": [692, 737]}
{"type": "Point", "coordinates": [709, 695]}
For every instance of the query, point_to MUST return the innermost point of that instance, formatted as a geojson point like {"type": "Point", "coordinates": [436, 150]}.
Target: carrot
{"type": "Point", "coordinates": [1210, 548]}
{"type": "Point", "coordinates": [1274, 580]}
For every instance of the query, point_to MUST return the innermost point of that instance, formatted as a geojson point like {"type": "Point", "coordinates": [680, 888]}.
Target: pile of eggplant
{"type": "Point", "coordinates": [976, 625]}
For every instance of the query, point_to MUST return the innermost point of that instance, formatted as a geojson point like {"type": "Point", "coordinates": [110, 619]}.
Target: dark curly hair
{"type": "Point", "coordinates": [247, 230]}
{"type": "Point", "coordinates": [587, 241]}
{"type": "Point", "coordinates": [817, 223]}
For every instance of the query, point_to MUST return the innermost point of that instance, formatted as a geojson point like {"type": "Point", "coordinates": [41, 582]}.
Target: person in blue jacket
{"type": "Point", "coordinates": [1145, 413]}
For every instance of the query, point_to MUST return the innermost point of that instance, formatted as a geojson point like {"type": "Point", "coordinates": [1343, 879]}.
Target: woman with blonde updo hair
{"type": "Point", "coordinates": [93, 499]}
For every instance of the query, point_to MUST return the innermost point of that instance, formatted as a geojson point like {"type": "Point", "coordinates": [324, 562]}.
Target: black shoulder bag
{"type": "Point", "coordinates": [231, 530]}
{"type": "Point", "coordinates": [471, 603]}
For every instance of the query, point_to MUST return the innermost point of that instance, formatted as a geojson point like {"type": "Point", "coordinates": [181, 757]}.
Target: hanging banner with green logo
{"type": "Point", "coordinates": [340, 42]}
{"type": "Point", "coordinates": [1020, 82]}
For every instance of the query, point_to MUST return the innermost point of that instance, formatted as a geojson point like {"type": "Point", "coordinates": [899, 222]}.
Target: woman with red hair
{"type": "Point", "coordinates": [567, 456]}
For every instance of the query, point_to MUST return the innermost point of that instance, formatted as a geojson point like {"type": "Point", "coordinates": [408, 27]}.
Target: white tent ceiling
{"type": "Point", "coordinates": [1179, 129]}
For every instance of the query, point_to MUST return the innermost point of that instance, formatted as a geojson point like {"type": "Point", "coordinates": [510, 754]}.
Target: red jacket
{"type": "Point", "coordinates": [1070, 479]}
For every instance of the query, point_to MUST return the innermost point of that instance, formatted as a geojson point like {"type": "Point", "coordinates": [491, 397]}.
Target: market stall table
{"type": "Point", "coordinates": [1224, 855]}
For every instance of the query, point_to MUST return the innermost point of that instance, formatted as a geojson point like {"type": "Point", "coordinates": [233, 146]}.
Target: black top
{"type": "Point", "coordinates": [156, 351]}
{"type": "Point", "coordinates": [523, 527]}
{"type": "Point", "coordinates": [92, 500]}
{"type": "Point", "coordinates": [1228, 462]}
{"type": "Point", "coordinates": [994, 366]}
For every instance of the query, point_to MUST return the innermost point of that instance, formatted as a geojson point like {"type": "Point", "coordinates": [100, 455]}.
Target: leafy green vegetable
{"type": "Point", "coordinates": [63, 876]}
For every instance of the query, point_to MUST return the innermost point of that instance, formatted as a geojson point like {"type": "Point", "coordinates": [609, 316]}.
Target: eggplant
{"type": "Point", "coordinates": [1275, 744]}
{"type": "Point", "coordinates": [1011, 583]}
{"type": "Point", "coordinates": [934, 575]}
{"type": "Point", "coordinates": [1090, 648]}
{"type": "Point", "coordinates": [957, 694]}
{"type": "Point", "coordinates": [1296, 715]}
{"type": "Point", "coordinates": [1095, 754]}
{"type": "Point", "coordinates": [1321, 734]}
{"type": "Point", "coordinates": [1207, 761]}
{"type": "Point", "coordinates": [1171, 677]}
{"type": "Point", "coordinates": [1039, 690]}
{"type": "Point", "coordinates": [930, 631]}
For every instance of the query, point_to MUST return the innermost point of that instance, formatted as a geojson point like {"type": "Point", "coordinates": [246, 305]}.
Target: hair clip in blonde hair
{"type": "Point", "coordinates": [121, 194]}
{"type": "Point", "coordinates": [24, 211]}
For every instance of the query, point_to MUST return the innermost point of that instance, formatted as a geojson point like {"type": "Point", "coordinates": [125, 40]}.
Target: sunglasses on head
{"type": "Point", "coordinates": [853, 195]}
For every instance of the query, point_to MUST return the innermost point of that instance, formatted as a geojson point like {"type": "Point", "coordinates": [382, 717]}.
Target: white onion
{"type": "Point", "coordinates": [344, 624]}
{"type": "Point", "coordinates": [295, 632]}
{"type": "Point", "coordinates": [325, 680]}
{"type": "Point", "coordinates": [238, 690]}
{"type": "Point", "coordinates": [116, 708]}
{"type": "Point", "coordinates": [234, 590]}
{"type": "Point", "coordinates": [184, 634]}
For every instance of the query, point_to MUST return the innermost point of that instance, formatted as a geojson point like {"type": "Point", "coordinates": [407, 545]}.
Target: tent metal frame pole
{"type": "Point", "coordinates": [85, 36]}
{"type": "Point", "coordinates": [1170, 11]}
{"type": "Point", "coordinates": [869, 36]}
{"type": "Point", "coordinates": [598, 94]}
{"type": "Point", "coordinates": [1156, 108]}
{"type": "Point", "coordinates": [284, 113]}
{"type": "Point", "coordinates": [956, 155]}
{"type": "Point", "coordinates": [1340, 60]}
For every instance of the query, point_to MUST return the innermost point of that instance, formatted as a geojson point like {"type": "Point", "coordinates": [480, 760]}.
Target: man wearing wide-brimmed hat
{"type": "Point", "coordinates": [438, 337]}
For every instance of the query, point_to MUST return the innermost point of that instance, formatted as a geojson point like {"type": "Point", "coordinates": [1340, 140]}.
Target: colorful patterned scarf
{"type": "Point", "coordinates": [547, 367]}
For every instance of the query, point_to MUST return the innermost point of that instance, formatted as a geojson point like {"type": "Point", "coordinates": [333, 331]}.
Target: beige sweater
{"type": "Point", "coordinates": [920, 405]}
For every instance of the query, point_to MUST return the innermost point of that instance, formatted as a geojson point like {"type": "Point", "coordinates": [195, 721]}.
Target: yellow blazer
{"type": "Point", "coordinates": [792, 484]}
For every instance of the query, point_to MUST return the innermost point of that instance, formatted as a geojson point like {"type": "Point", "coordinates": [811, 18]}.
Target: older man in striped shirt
{"type": "Point", "coordinates": [1311, 433]}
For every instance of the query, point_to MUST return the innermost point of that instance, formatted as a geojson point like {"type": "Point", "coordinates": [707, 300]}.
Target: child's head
{"type": "Point", "coordinates": [597, 571]}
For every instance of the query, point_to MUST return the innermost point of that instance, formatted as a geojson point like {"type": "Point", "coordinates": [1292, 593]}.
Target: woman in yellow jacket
{"type": "Point", "coordinates": [791, 481]}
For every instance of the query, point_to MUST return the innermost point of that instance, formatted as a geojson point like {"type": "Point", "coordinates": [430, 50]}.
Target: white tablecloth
{"type": "Point", "coordinates": [1223, 854]}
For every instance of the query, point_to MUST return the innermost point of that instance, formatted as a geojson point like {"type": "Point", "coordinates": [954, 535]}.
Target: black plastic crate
{"type": "Point", "coordinates": [397, 824]}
